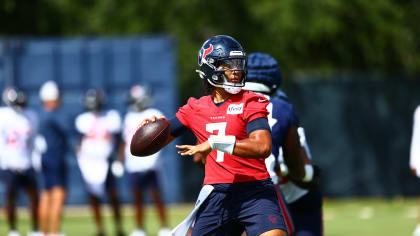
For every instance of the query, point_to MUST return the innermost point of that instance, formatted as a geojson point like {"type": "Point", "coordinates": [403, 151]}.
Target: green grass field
{"type": "Point", "coordinates": [361, 217]}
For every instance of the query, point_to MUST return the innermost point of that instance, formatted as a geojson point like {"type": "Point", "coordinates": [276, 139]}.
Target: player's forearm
{"type": "Point", "coordinates": [258, 145]}
{"type": "Point", "coordinates": [121, 151]}
{"type": "Point", "coordinates": [248, 149]}
{"type": "Point", "coordinates": [292, 155]}
{"type": "Point", "coordinates": [200, 160]}
{"type": "Point", "coordinates": [295, 165]}
{"type": "Point", "coordinates": [305, 156]}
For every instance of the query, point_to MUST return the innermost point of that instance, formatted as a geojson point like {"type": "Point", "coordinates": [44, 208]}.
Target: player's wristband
{"type": "Point", "coordinates": [309, 173]}
{"type": "Point", "coordinates": [222, 143]}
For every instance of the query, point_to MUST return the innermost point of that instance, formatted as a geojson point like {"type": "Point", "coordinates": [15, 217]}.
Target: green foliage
{"type": "Point", "coordinates": [309, 36]}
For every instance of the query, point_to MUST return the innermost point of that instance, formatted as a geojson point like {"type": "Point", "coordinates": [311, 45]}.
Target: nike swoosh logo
{"type": "Point", "coordinates": [261, 100]}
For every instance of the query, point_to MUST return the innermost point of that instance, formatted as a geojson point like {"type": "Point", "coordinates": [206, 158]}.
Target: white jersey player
{"type": "Point", "coordinates": [18, 128]}
{"type": "Point", "coordinates": [142, 171]}
{"type": "Point", "coordinates": [96, 146]}
{"type": "Point", "coordinates": [131, 121]}
{"type": "Point", "coordinates": [98, 129]}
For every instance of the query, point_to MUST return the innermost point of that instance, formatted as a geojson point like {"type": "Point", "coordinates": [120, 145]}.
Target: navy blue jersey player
{"type": "Point", "coordinates": [303, 198]}
{"type": "Point", "coordinates": [54, 131]}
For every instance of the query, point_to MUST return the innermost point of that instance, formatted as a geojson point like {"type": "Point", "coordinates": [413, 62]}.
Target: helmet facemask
{"type": "Point", "coordinates": [14, 98]}
{"type": "Point", "coordinates": [94, 100]}
{"type": "Point", "coordinates": [220, 67]}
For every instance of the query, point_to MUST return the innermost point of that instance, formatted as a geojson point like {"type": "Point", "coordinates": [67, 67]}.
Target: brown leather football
{"type": "Point", "coordinates": [150, 138]}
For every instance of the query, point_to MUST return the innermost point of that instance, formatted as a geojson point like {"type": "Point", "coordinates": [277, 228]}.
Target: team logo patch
{"type": "Point", "coordinates": [262, 100]}
{"type": "Point", "coordinates": [235, 109]}
{"type": "Point", "coordinates": [273, 219]}
{"type": "Point", "coordinates": [206, 52]}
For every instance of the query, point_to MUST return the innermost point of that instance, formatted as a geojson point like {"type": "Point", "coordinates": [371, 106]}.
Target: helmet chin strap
{"type": "Point", "coordinates": [232, 90]}
{"type": "Point", "coordinates": [229, 89]}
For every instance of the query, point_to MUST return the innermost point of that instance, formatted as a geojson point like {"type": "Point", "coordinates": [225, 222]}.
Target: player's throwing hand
{"type": "Point", "coordinates": [189, 150]}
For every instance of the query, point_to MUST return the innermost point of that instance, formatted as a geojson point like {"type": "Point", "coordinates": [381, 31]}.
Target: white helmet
{"type": "Point", "coordinates": [49, 91]}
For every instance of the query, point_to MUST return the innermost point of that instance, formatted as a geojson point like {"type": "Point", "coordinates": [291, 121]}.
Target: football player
{"type": "Point", "coordinates": [233, 132]}
{"type": "Point", "coordinates": [54, 131]}
{"type": "Point", "coordinates": [143, 173]}
{"type": "Point", "coordinates": [304, 202]}
{"type": "Point", "coordinates": [18, 128]}
{"type": "Point", "coordinates": [415, 155]}
{"type": "Point", "coordinates": [99, 129]}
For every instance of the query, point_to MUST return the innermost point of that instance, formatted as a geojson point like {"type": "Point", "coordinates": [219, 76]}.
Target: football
{"type": "Point", "coordinates": [150, 138]}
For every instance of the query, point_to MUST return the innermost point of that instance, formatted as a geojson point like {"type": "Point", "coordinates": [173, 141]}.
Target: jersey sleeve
{"type": "Point", "coordinates": [81, 124]}
{"type": "Point", "coordinates": [177, 128]}
{"type": "Point", "coordinates": [255, 107]}
{"type": "Point", "coordinates": [282, 117]}
{"type": "Point", "coordinates": [114, 121]}
{"type": "Point", "coordinates": [33, 118]}
{"type": "Point", "coordinates": [294, 119]}
{"type": "Point", "coordinates": [124, 128]}
{"type": "Point", "coordinates": [184, 113]}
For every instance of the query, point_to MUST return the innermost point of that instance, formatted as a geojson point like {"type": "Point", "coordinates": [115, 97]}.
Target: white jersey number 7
{"type": "Point", "coordinates": [221, 127]}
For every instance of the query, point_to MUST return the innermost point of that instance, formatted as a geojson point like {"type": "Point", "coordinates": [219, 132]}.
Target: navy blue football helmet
{"type": "Point", "coordinates": [14, 97]}
{"type": "Point", "coordinates": [139, 98]}
{"type": "Point", "coordinates": [219, 54]}
{"type": "Point", "coordinates": [94, 99]}
{"type": "Point", "coordinates": [264, 74]}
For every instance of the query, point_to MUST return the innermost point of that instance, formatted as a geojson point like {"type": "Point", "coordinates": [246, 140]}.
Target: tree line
{"type": "Point", "coordinates": [317, 37]}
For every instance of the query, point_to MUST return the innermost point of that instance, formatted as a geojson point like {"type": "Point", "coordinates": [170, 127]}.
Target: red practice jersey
{"type": "Point", "coordinates": [204, 118]}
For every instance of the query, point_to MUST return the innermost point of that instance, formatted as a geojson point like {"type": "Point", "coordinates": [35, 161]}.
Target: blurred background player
{"type": "Point", "coordinates": [55, 131]}
{"type": "Point", "coordinates": [18, 128]}
{"type": "Point", "coordinates": [99, 129]}
{"type": "Point", "coordinates": [415, 156]}
{"type": "Point", "coordinates": [143, 173]}
{"type": "Point", "coordinates": [305, 206]}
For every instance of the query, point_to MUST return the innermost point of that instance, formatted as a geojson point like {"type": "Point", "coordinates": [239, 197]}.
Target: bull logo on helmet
{"type": "Point", "coordinates": [206, 52]}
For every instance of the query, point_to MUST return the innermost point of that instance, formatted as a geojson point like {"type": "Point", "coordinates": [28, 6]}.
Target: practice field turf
{"type": "Point", "coordinates": [361, 217]}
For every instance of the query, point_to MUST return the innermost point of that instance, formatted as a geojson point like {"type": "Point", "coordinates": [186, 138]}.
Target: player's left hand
{"type": "Point", "coordinates": [189, 150]}
{"type": "Point", "coordinates": [117, 168]}
{"type": "Point", "coordinates": [314, 183]}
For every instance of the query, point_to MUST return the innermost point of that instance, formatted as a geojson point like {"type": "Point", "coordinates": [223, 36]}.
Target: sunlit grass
{"type": "Point", "coordinates": [342, 217]}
